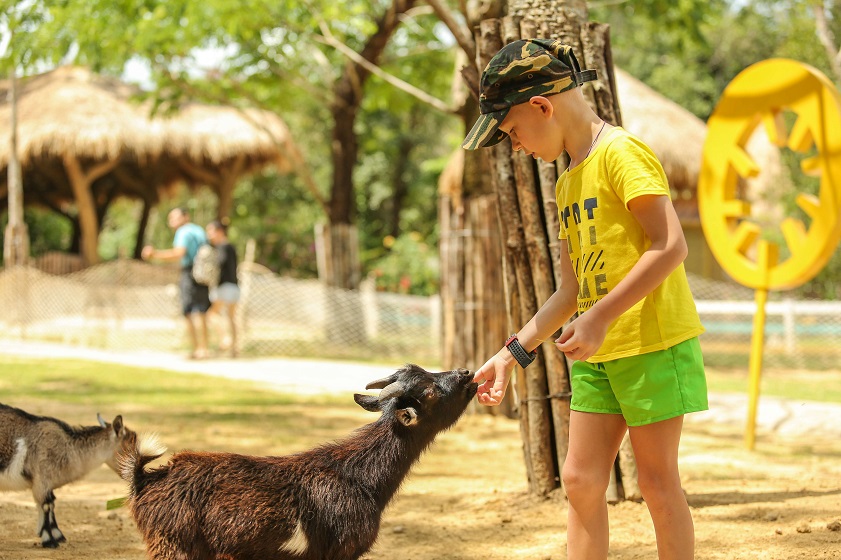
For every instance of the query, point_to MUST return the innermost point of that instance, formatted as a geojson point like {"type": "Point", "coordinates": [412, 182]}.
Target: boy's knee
{"type": "Point", "coordinates": [659, 487]}
{"type": "Point", "coordinates": [581, 482]}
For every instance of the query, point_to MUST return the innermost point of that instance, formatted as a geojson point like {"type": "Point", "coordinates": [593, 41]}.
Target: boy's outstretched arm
{"type": "Point", "coordinates": [657, 216]}
{"type": "Point", "coordinates": [494, 375]}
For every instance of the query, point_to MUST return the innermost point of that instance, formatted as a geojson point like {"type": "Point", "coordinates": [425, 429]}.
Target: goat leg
{"type": "Point", "coordinates": [47, 528]}
{"type": "Point", "coordinates": [54, 530]}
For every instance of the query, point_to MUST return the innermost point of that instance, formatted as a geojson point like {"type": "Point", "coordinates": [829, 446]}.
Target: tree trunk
{"type": "Point", "coordinates": [139, 240]}
{"type": "Point", "coordinates": [400, 187]}
{"type": "Point", "coordinates": [81, 181]}
{"type": "Point", "coordinates": [16, 235]}
{"type": "Point", "coordinates": [348, 92]}
{"type": "Point", "coordinates": [529, 222]}
{"type": "Point", "coordinates": [88, 224]}
{"type": "Point", "coordinates": [475, 323]}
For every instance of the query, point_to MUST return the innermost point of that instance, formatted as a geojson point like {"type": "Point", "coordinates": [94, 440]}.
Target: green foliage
{"type": "Point", "coordinates": [270, 55]}
{"type": "Point", "coordinates": [279, 214]}
{"type": "Point", "coordinates": [693, 64]}
{"type": "Point", "coordinates": [47, 231]}
{"type": "Point", "coordinates": [410, 267]}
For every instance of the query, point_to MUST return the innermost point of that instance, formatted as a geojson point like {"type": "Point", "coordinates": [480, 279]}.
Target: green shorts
{"type": "Point", "coordinates": [644, 389]}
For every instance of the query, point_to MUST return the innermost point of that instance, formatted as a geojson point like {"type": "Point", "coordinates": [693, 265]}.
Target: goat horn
{"type": "Point", "coordinates": [392, 390]}
{"type": "Point", "coordinates": [380, 383]}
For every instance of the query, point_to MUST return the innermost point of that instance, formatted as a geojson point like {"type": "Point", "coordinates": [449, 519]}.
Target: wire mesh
{"type": "Point", "coordinates": [132, 305]}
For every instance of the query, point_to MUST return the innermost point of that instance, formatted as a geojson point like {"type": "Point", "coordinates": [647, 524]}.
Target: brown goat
{"type": "Point", "coordinates": [43, 453]}
{"type": "Point", "coordinates": [321, 504]}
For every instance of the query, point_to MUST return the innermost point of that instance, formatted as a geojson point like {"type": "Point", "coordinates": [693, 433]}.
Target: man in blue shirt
{"type": "Point", "coordinates": [194, 297]}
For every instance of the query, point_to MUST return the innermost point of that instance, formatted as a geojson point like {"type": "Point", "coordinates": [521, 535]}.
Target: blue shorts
{"type": "Point", "coordinates": [226, 293]}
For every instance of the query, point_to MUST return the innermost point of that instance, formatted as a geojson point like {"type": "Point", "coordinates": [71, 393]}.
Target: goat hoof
{"type": "Point", "coordinates": [61, 539]}
{"type": "Point", "coordinates": [50, 544]}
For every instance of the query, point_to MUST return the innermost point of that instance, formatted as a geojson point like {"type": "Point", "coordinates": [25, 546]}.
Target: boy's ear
{"type": "Point", "coordinates": [543, 104]}
{"type": "Point", "coordinates": [368, 402]}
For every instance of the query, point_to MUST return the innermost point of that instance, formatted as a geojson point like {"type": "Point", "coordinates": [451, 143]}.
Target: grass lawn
{"type": "Point", "coordinates": [79, 382]}
{"type": "Point", "coordinates": [172, 404]}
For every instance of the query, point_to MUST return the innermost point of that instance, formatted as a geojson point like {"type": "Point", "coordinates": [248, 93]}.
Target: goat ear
{"type": "Point", "coordinates": [407, 416]}
{"type": "Point", "coordinates": [119, 429]}
{"type": "Point", "coordinates": [101, 420]}
{"type": "Point", "coordinates": [369, 403]}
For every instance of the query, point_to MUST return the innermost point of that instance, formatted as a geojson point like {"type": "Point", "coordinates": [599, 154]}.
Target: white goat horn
{"type": "Point", "coordinates": [101, 420]}
{"type": "Point", "coordinates": [392, 390]}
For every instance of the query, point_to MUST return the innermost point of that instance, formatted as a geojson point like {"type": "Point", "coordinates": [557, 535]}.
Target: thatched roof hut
{"type": "Point", "coordinates": [677, 138]}
{"type": "Point", "coordinates": [83, 138]}
{"type": "Point", "coordinates": [71, 111]}
{"type": "Point", "coordinates": [672, 132]}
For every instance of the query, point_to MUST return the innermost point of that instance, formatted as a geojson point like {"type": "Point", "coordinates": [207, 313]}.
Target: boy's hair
{"type": "Point", "coordinates": [518, 72]}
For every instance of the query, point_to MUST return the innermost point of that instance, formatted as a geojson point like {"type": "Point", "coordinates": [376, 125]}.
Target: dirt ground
{"type": "Point", "coordinates": [467, 500]}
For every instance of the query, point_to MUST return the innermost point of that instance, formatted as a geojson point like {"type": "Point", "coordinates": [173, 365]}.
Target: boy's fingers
{"type": "Point", "coordinates": [566, 345]}
{"type": "Point", "coordinates": [566, 334]}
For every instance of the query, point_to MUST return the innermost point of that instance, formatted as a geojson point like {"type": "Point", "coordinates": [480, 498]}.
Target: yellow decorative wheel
{"type": "Point", "coordinates": [758, 96]}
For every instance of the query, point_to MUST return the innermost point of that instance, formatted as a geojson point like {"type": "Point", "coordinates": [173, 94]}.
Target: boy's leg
{"type": "Point", "coordinates": [656, 451]}
{"type": "Point", "coordinates": [594, 441]}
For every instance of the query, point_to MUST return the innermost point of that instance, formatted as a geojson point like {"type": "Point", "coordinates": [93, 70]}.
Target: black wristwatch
{"type": "Point", "coordinates": [523, 358]}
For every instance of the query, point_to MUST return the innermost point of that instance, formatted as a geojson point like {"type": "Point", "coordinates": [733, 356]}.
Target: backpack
{"type": "Point", "coordinates": [206, 266]}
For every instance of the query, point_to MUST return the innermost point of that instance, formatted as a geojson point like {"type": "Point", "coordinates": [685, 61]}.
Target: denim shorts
{"type": "Point", "coordinates": [644, 389]}
{"type": "Point", "coordinates": [226, 293]}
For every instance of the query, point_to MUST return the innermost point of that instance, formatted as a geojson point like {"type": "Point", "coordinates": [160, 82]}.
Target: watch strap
{"type": "Point", "coordinates": [520, 354]}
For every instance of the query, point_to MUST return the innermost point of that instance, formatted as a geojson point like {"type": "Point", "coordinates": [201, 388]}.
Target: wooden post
{"type": "Point", "coordinates": [16, 235]}
{"type": "Point", "coordinates": [81, 181]}
{"type": "Point", "coordinates": [529, 223]}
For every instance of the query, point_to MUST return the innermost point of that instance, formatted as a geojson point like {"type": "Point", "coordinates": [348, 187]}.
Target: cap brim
{"type": "Point", "coordinates": [486, 131]}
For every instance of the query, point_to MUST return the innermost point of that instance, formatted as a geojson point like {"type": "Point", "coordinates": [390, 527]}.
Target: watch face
{"type": "Point", "coordinates": [759, 96]}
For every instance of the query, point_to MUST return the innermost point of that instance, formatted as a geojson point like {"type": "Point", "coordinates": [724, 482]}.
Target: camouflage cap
{"type": "Point", "coordinates": [515, 74]}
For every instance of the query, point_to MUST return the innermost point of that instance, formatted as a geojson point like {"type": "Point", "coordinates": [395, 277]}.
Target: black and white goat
{"type": "Point", "coordinates": [321, 504]}
{"type": "Point", "coordinates": [43, 453]}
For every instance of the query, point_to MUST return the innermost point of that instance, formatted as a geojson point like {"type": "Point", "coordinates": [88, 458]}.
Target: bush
{"type": "Point", "coordinates": [410, 267]}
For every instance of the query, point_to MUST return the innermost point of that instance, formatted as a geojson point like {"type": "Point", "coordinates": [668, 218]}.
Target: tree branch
{"type": "Point", "coordinates": [300, 165]}
{"type": "Point", "coordinates": [329, 39]}
{"type": "Point", "coordinates": [462, 35]}
{"type": "Point", "coordinates": [826, 39]}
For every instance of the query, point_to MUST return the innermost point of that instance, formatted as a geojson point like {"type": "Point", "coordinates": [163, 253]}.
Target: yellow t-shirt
{"type": "Point", "coordinates": [605, 241]}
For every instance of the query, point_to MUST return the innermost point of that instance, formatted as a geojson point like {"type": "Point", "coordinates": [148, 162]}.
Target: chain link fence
{"type": "Point", "coordinates": [132, 305]}
{"type": "Point", "coordinates": [799, 333]}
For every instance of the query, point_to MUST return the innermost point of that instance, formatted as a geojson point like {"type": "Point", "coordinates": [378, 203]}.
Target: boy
{"type": "Point", "coordinates": [638, 365]}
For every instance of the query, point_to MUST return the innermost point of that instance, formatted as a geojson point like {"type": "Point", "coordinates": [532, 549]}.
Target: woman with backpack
{"type": "Point", "coordinates": [225, 295]}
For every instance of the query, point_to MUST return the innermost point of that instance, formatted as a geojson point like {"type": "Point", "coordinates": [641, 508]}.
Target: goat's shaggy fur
{"type": "Point", "coordinates": [43, 453]}
{"type": "Point", "coordinates": [322, 504]}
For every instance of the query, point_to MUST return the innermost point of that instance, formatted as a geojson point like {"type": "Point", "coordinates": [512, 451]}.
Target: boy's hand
{"type": "Point", "coordinates": [493, 378]}
{"type": "Point", "coordinates": [583, 336]}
